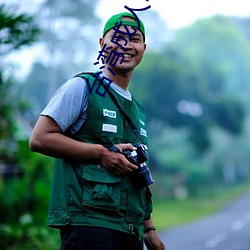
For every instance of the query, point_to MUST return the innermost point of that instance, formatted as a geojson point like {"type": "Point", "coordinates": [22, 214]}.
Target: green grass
{"type": "Point", "coordinates": [167, 214]}
{"type": "Point", "coordinates": [170, 213]}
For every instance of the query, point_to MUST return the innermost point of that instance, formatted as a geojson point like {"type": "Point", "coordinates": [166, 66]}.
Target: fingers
{"type": "Point", "coordinates": [117, 163]}
{"type": "Point", "coordinates": [124, 146]}
{"type": "Point", "coordinates": [120, 165]}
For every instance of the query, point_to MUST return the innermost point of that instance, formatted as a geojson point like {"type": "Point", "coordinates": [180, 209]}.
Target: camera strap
{"type": "Point", "coordinates": [125, 116]}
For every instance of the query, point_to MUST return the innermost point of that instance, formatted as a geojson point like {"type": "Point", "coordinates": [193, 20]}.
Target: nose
{"type": "Point", "coordinates": [128, 45]}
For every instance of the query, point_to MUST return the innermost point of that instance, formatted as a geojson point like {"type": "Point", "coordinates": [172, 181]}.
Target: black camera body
{"type": "Point", "coordinates": [142, 177]}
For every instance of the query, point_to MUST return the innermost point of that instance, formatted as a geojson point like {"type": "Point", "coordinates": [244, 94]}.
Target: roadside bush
{"type": "Point", "coordinates": [24, 204]}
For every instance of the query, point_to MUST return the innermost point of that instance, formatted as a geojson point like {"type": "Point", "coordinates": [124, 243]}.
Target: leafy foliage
{"type": "Point", "coordinates": [69, 30]}
{"type": "Point", "coordinates": [195, 82]}
{"type": "Point", "coordinates": [24, 203]}
{"type": "Point", "coordinates": [7, 126]}
{"type": "Point", "coordinates": [15, 30]}
{"type": "Point", "coordinates": [230, 114]}
{"type": "Point", "coordinates": [196, 94]}
{"type": "Point", "coordinates": [69, 27]}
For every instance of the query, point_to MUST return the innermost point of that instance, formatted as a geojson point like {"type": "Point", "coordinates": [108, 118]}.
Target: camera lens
{"type": "Point", "coordinates": [144, 176]}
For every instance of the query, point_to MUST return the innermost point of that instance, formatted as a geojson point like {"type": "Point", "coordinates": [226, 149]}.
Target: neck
{"type": "Point", "coordinates": [122, 79]}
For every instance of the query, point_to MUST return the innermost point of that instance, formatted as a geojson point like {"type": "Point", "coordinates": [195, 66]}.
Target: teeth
{"type": "Point", "coordinates": [127, 56]}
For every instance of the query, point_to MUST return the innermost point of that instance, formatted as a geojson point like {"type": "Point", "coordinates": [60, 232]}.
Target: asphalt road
{"type": "Point", "coordinates": [227, 230]}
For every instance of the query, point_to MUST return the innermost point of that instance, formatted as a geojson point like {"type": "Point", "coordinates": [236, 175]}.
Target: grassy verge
{"type": "Point", "coordinates": [170, 213]}
{"type": "Point", "coordinates": [167, 214]}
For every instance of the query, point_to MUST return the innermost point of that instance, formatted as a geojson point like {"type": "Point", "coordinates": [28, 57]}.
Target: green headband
{"type": "Point", "coordinates": [111, 23]}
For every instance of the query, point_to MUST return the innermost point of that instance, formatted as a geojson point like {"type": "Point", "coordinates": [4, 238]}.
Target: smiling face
{"type": "Point", "coordinates": [134, 48]}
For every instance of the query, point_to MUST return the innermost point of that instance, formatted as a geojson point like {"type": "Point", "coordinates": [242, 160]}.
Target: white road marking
{"type": "Point", "coordinates": [218, 238]}
{"type": "Point", "coordinates": [237, 225]}
{"type": "Point", "coordinates": [247, 217]}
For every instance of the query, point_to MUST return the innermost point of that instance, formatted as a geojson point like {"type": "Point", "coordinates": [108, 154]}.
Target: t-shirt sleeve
{"type": "Point", "coordinates": [68, 105]}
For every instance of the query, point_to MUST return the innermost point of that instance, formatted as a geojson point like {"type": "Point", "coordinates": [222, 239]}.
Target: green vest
{"type": "Point", "coordinates": [86, 193]}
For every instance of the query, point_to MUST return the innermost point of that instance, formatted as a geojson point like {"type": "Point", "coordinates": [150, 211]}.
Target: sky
{"type": "Point", "coordinates": [176, 14]}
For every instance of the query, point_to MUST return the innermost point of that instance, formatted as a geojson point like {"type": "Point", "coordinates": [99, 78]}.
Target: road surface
{"type": "Point", "coordinates": [227, 230]}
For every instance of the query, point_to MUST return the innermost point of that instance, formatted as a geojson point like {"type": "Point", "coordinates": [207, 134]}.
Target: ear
{"type": "Point", "coordinates": [145, 46]}
{"type": "Point", "coordinates": [101, 42]}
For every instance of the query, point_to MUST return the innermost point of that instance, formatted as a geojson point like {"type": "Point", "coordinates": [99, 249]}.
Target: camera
{"type": "Point", "coordinates": [142, 176]}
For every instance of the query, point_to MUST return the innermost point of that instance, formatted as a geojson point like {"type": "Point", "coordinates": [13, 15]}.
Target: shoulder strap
{"type": "Point", "coordinates": [125, 116]}
{"type": "Point", "coordinates": [84, 73]}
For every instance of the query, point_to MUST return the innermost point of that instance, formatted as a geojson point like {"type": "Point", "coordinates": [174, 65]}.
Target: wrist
{"type": "Point", "coordinates": [102, 152]}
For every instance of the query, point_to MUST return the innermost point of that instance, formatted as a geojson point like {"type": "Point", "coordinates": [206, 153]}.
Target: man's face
{"type": "Point", "coordinates": [134, 48]}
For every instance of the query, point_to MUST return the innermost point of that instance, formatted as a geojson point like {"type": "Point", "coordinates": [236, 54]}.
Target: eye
{"type": "Point", "coordinates": [117, 39]}
{"type": "Point", "coordinates": [135, 39]}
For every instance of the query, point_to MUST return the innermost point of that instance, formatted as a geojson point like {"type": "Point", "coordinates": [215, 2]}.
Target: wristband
{"type": "Point", "coordinates": [147, 229]}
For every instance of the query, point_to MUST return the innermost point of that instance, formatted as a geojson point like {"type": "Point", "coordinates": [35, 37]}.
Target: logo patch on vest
{"type": "Point", "coordinates": [143, 132]}
{"type": "Point", "coordinates": [109, 113]}
{"type": "Point", "coordinates": [142, 122]}
{"type": "Point", "coordinates": [109, 128]}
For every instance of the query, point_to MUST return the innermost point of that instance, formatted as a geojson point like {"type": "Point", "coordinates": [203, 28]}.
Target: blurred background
{"type": "Point", "coordinates": [194, 82]}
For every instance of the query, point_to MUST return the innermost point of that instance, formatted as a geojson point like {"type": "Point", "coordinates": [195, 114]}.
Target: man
{"type": "Point", "coordinates": [95, 202]}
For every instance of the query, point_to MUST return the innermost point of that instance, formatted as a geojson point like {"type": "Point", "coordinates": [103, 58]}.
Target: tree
{"type": "Point", "coordinates": [196, 96]}
{"type": "Point", "coordinates": [16, 31]}
{"type": "Point", "coordinates": [186, 83]}
{"type": "Point", "coordinates": [217, 45]}
{"type": "Point", "coordinates": [69, 29]}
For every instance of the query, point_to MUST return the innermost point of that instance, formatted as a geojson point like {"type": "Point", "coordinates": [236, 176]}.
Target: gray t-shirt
{"type": "Point", "coordinates": [68, 106]}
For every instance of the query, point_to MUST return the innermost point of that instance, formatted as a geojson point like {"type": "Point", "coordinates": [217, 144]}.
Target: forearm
{"type": "Point", "coordinates": [151, 239]}
{"type": "Point", "coordinates": [148, 224]}
{"type": "Point", "coordinates": [47, 138]}
{"type": "Point", "coordinates": [60, 146]}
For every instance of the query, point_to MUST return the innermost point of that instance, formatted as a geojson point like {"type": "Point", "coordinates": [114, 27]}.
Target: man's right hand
{"type": "Point", "coordinates": [115, 162]}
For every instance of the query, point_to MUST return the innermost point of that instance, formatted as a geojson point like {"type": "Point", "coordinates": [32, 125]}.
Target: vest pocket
{"type": "Point", "coordinates": [101, 188]}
